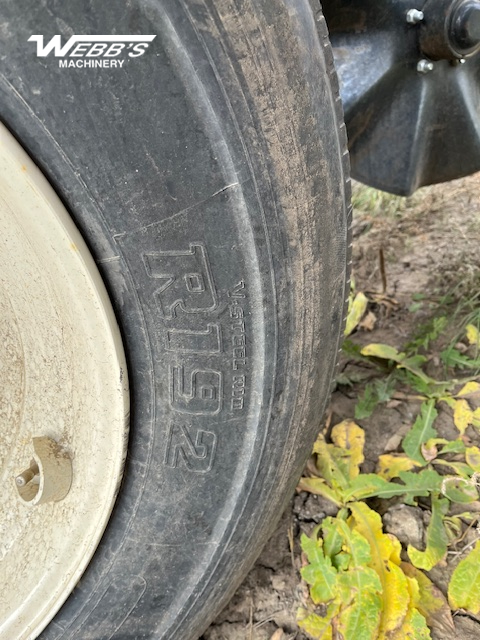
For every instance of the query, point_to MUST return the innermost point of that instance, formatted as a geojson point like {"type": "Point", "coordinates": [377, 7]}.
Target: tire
{"type": "Point", "coordinates": [208, 178]}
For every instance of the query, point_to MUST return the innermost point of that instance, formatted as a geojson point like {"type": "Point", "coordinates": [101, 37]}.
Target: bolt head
{"type": "Point", "coordinates": [414, 16]}
{"type": "Point", "coordinates": [425, 66]}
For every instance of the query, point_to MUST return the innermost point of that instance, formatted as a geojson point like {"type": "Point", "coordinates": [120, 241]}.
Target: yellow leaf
{"type": "Point", "coordinates": [385, 556]}
{"type": "Point", "coordinates": [472, 458]}
{"type": "Point", "coordinates": [464, 586]}
{"type": "Point", "coordinates": [383, 351]}
{"type": "Point", "coordinates": [414, 625]}
{"type": "Point", "coordinates": [396, 599]}
{"type": "Point", "coordinates": [349, 436]}
{"type": "Point", "coordinates": [413, 586]}
{"type": "Point", "coordinates": [395, 549]}
{"type": "Point", "coordinates": [469, 389]}
{"type": "Point", "coordinates": [473, 335]}
{"type": "Point", "coordinates": [462, 415]}
{"type": "Point", "coordinates": [390, 465]}
{"type": "Point", "coordinates": [431, 602]}
{"type": "Point", "coordinates": [476, 418]}
{"type": "Point", "coordinates": [369, 524]}
{"type": "Point", "coordinates": [356, 312]}
{"type": "Point", "coordinates": [319, 627]}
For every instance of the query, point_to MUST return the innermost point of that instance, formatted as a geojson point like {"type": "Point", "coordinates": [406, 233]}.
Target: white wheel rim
{"type": "Point", "coordinates": [63, 376]}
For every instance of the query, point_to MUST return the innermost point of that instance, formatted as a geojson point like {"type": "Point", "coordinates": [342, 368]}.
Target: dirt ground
{"type": "Point", "coordinates": [428, 245]}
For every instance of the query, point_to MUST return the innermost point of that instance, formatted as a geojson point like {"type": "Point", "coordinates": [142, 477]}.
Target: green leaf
{"type": "Point", "coordinates": [355, 544]}
{"type": "Point", "coordinates": [421, 431]}
{"type": "Point", "coordinates": [427, 333]}
{"type": "Point", "coordinates": [332, 540]}
{"type": "Point", "coordinates": [414, 362]}
{"type": "Point", "coordinates": [414, 628]}
{"type": "Point", "coordinates": [420, 484]}
{"type": "Point", "coordinates": [319, 487]}
{"type": "Point", "coordinates": [464, 587]}
{"type": "Point", "coordinates": [320, 573]}
{"type": "Point", "coordinates": [369, 485]}
{"type": "Point", "coordinates": [313, 549]}
{"type": "Point", "coordinates": [361, 587]}
{"type": "Point", "coordinates": [367, 402]}
{"type": "Point", "coordinates": [412, 365]}
{"type": "Point", "coordinates": [351, 378]}
{"type": "Point", "coordinates": [385, 388]}
{"type": "Point", "coordinates": [360, 620]}
{"type": "Point", "coordinates": [342, 561]}
{"type": "Point", "coordinates": [459, 490]}
{"type": "Point", "coordinates": [450, 446]}
{"type": "Point", "coordinates": [352, 593]}
{"type": "Point", "coordinates": [323, 582]}
{"type": "Point", "coordinates": [437, 539]}
{"type": "Point", "coordinates": [451, 357]}
{"type": "Point", "coordinates": [461, 468]}
{"type": "Point", "coordinates": [419, 385]}
{"type": "Point", "coordinates": [375, 392]}
{"type": "Point", "coordinates": [352, 350]}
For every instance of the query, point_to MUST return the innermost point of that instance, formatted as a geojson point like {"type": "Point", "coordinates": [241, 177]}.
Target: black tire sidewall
{"type": "Point", "coordinates": [221, 148]}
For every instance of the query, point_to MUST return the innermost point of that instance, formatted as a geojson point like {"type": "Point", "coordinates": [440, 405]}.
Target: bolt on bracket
{"type": "Point", "coordinates": [49, 476]}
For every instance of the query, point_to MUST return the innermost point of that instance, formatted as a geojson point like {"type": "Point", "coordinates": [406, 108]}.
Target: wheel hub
{"type": "Point", "coordinates": [450, 30]}
{"type": "Point", "coordinates": [409, 81]}
{"type": "Point", "coordinates": [63, 401]}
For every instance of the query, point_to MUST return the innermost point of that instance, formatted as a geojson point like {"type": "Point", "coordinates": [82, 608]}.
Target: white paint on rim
{"type": "Point", "coordinates": [63, 375]}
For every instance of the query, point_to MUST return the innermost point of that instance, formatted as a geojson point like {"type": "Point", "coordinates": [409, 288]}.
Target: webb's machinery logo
{"type": "Point", "coordinates": [93, 51]}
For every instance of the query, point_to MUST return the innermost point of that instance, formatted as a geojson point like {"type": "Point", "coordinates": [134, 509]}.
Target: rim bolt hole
{"type": "Point", "coordinates": [49, 476]}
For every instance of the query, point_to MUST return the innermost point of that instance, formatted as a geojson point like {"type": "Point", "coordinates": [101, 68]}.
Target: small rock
{"type": "Point", "coordinates": [278, 582]}
{"type": "Point", "coordinates": [393, 404]}
{"type": "Point", "coordinates": [406, 523]}
{"type": "Point", "coordinates": [298, 503]}
{"type": "Point", "coordinates": [393, 443]}
{"type": "Point", "coordinates": [307, 528]}
{"type": "Point", "coordinates": [368, 322]}
{"type": "Point", "coordinates": [312, 510]}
